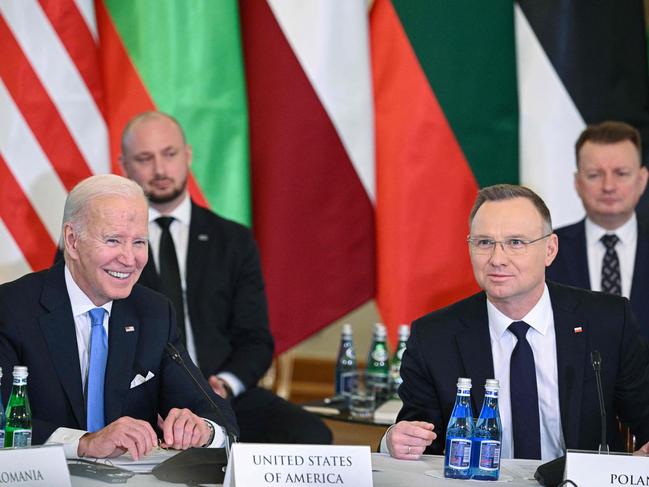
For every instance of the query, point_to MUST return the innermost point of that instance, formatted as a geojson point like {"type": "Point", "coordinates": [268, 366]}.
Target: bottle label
{"type": "Point", "coordinates": [349, 353]}
{"type": "Point", "coordinates": [379, 355]}
{"type": "Point", "coordinates": [489, 455]}
{"type": "Point", "coordinates": [459, 453]}
{"type": "Point", "coordinates": [377, 379]}
{"type": "Point", "coordinates": [2, 438]}
{"type": "Point", "coordinates": [346, 384]}
{"type": "Point", "coordinates": [464, 392]}
{"type": "Point", "coordinates": [22, 438]}
{"type": "Point", "coordinates": [489, 393]}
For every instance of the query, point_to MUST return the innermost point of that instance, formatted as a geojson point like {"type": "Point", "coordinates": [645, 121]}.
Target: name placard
{"type": "Point", "coordinates": [273, 465]}
{"type": "Point", "coordinates": [612, 470]}
{"type": "Point", "coordinates": [37, 466]}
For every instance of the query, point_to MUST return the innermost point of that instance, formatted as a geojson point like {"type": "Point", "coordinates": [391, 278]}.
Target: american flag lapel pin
{"type": "Point", "coordinates": [578, 329]}
{"type": "Point", "coordinates": [129, 328]}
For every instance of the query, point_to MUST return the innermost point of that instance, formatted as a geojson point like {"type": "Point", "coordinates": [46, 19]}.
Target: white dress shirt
{"type": "Point", "coordinates": [541, 337]}
{"type": "Point", "coordinates": [625, 248]}
{"type": "Point", "coordinates": [179, 230]}
{"type": "Point", "coordinates": [81, 305]}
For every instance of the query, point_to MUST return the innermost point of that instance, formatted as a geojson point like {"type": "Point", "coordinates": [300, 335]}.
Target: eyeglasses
{"type": "Point", "coordinates": [511, 246]}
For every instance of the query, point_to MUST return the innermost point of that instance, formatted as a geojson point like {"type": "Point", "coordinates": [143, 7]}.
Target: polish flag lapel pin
{"type": "Point", "coordinates": [577, 329]}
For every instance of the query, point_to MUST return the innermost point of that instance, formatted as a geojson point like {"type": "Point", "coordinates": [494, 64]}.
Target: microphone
{"type": "Point", "coordinates": [196, 466]}
{"type": "Point", "coordinates": [551, 473]}
{"type": "Point", "coordinates": [230, 436]}
{"type": "Point", "coordinates": [596, 362]}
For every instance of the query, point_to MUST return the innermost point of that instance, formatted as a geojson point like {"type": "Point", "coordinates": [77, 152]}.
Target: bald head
{"type": "Point", "coordinates": [156, 156]}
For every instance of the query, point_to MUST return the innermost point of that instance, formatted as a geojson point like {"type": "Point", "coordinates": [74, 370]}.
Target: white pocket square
{"type": "Point", "coordinates": [138, 380]}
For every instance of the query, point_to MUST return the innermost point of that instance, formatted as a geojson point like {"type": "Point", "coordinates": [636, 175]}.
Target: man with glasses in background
{"type": "Point", "coordinates": [535, 337]}
{"type": "Point", "coordinates": [609, 249]}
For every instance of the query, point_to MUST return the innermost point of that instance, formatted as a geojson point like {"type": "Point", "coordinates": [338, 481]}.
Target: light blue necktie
{"type": "Point", "coordinates": [97, 370]}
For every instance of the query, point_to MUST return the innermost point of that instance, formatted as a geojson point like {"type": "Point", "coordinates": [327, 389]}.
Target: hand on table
{"type": "Point", "coordinates": [407, 440]}
{"type": "Point", "coordinates": [123, 435]}
{"type": "Point", "coordinates": [182, 429]}
{"type": "Point", "coordinates": [643, 450]}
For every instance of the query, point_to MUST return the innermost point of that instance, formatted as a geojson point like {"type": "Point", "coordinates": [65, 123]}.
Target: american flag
{"type": "Point", "coordinates": [53, 131]}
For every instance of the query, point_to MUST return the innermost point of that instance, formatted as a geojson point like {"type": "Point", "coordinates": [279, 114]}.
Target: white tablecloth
{"type": "Point", "coordinates": [389, 472]}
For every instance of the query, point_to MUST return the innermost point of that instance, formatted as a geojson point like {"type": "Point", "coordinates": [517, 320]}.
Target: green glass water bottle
{"type": "Point", "coordinates": [378, 366]}
{"type": "Point", "coordinates": [18, 429]}
{"type": "Point", "coordinates": [2, 417]}
{"type": "Point", "coordinates": [395, 363]}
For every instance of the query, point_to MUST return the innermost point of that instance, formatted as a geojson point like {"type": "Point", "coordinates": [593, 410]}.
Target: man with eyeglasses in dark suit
{"type": "Point", "coordinates": [534, 336]}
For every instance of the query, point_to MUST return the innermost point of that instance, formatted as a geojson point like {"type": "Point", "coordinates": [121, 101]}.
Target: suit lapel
{"type": "Point", "coordinates": [58, 328]}
{"type": "Point", "coordinates": [474, 346]}
{"type": "Point", "coordinates": [149, 276]}
{"type": "Point", "coordinates": [577, 262]}
{"type": "Point", "coordinates": [640, 283]}
{"type": "Point", "coordinates": [123, 333]}
{"type": "Point", "coordinates": [197, 253]}
{"type": "Point", "coordinates": [571, 357]}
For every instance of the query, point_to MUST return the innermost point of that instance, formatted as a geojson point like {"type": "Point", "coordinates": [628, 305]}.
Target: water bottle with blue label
{"type": "Point", "coordinates": [485, 461]}
{"type": "Point", "coordinates": [459, 434]}
{"type": "Point", "coordinates": [346, 359]}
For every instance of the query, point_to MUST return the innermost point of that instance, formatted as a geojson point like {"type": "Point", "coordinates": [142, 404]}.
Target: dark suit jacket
{"type": "Point", "coordinates": [37, 329]}
{"type": "Point", "coordinates": [454, 342]}
{"type": "Point", "coordinates": [571, 267]}
{"type": "Point", "coordinates": [225, 298]}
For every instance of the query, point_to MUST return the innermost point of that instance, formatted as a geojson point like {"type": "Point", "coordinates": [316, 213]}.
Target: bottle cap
{"type": "Point", "coordinates": [379, 330]}
{"type": "Point", "coordinates": [492, 384]}
{"type": "Point", "coordinates": [20, 371]}
{"type": "Point", "coordinates": [404, 331]}
{"type": "Point", "coordinates": [464, 382]}
{"type": "Point", "coordinates": [347, 329]}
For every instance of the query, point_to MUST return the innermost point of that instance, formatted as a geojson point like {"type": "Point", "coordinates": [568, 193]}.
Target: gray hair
{"type": "Point", "coordinates": [78, 200]}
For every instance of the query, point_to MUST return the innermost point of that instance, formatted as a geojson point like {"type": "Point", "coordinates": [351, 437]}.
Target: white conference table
{"type": "Point", "coordinates": [388, 472]}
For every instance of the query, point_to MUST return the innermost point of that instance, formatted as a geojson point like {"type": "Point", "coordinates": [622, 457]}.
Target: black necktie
{"type": "Point", "coordinates": [169, 272]}
{"type": "Point", "coordinates": [524, 396]}
{"type": "Point", "coordinates": [611, 279]}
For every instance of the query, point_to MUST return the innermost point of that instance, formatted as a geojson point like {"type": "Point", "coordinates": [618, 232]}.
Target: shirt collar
{"type": "Point", "coordinates": [79, 301]}
{"type": "Point", "coordinates": [182, 212]}
{"type": "Point", "coordinates": [628, 232]}
{"type": "Point", "coordinates": [536, 317]}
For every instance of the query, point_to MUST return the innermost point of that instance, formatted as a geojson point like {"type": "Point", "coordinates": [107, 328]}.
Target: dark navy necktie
{"type": "Point", "coordinates": [611, 279]}
{"type": "Point", "coordinates": [170, 272]}
{"type": "Point", "coordinates": [524, 396]}
{"type": "Point", "coordinates": [96, 370]}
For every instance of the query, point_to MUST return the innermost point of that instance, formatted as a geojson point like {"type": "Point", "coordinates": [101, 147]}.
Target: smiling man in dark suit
{"type": "Point", "coordinates": [609, 249]}
{"type": "Point", "coordinates": [210, 268]}
{"type": "Point", "coordinates": [94, 341]}
{"type": "Point", "coordinates": [534, 337]}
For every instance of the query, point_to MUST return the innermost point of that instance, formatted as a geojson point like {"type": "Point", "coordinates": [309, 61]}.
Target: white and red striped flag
{"type": "Point", "coordinates": [52, 131]}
